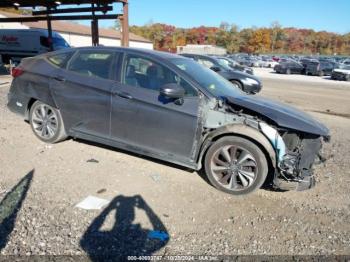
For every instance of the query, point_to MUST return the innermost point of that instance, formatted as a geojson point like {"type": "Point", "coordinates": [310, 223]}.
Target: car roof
{"type": "Point", "coordinates": [199, 55]}
{"type": "Point", "coordinates": [154, 53]}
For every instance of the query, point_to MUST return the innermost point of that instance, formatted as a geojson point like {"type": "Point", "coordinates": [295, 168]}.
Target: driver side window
{"type": "Point", "coordinates": [144, 73]}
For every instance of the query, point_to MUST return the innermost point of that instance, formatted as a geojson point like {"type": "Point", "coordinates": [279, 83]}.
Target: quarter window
{"type": "Point", "coordinates": [92, 63]}
{"type": "Point", "coordinates": [144, 73]}
{"type": "Point", "coordinates": [60, 60]}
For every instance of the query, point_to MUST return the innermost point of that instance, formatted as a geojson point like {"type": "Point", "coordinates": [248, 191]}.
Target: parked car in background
{"type": "Point", "coordinates": [346, 62]}
{"type": "Point", "coordinates": [341, 73]}
{"type": "Point", "coordinates": [246, 82]}
{"type": "Point", "coordinates": [322, 68]}
{"type": "Point", "coordinates": [16, 44]}
{"type": "Point", "coordinates": [268, 62]}
{"type": "Point", "coordinates": [248, 61]}
{"type": "Point", "coordinates": [307, 62]}
{"type": "Point", "coordinates": [234, 65]}
{"type": "Point", "coordinates": [171, 108]}
{"type": "Point", "coordinates": [289, 67]}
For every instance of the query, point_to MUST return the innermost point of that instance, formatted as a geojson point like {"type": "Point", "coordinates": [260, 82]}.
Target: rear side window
{"type": "Point", "coordinates": [92, 63]}
{"type": "Point", "coordinates": [60, 60]}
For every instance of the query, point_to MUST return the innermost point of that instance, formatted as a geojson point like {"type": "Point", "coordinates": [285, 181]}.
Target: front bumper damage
{"type": "Point", "coordinates": [296, 155]}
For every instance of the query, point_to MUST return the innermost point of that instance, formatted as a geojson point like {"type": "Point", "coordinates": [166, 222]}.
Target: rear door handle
{"type": "Point", "coordinates": [59, 78]}
{"type": "Point", "coordinates": [124, 95]}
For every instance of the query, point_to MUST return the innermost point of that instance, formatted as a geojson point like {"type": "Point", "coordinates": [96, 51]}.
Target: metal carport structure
{"type": "Point", "coordinates": [54, 10]}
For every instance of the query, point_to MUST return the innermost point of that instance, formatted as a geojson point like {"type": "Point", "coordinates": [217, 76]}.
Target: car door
{"type": "Point", "coordinates": [82, 91]}
{"type": "Point", "coordinates": [143, 119]}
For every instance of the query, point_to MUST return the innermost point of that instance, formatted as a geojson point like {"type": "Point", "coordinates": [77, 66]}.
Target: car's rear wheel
{"type": "Point", "coordinates": [235, 165]}
{"type": "Point", "coordinates": [46, 123]}
{"type": "Point", "coordinates": [237, 84]}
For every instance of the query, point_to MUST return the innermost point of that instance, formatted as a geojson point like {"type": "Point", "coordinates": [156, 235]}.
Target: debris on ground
{"type": "Point", "coordinates": [92, 203]}
{"type": "Point", "coordinates": [155, 234]}
{"type": "Point", "coordinates": [155, 177]}
{"type": "Point", "coordinates": [103, 190]}
{"type": "Point", "coordinates": [92, 160]}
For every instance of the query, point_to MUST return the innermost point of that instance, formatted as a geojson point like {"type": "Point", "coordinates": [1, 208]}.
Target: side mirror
{"type": "Point", "coordinates": [172, 91]}
{"type": "Point", "coordinates": [215, 68]}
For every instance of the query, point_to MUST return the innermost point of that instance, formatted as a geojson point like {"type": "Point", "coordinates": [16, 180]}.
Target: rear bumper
{"type": "Point", "coordinates": [17, 103]}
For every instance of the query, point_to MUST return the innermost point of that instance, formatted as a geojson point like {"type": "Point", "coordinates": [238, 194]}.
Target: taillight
{"type": "Point", "coordinates": [17, 71]}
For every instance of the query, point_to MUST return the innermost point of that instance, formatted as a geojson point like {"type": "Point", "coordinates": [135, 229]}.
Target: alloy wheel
{"type": "Point", "coordinates": [44, 121]}
{"type": "Point", "coordinates": [234, 167]}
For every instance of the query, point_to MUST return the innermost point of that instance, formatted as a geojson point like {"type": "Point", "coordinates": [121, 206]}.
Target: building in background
{"type": "Point", "coordinates": [201, 50]}
{"type": "Point", "coordinates": [78, 35]}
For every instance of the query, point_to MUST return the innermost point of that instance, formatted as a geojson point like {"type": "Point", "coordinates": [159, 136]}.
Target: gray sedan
{"type": "Point", "coordinates": [170, 108]}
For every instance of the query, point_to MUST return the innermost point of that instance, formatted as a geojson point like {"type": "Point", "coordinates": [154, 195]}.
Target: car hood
{"type": "Point", "coordinates": [344, 71]}
{"type": "Point", "coordinates": [239, 74]}
{"type": "Point", "coordinates": [282, 114]}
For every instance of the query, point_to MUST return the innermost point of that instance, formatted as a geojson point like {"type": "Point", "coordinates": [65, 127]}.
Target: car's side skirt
{"type": "Point", "coordinates": [134, 149]}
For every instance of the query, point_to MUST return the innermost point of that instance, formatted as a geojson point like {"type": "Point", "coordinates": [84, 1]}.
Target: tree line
{"type": "Point", "coordinates": [274, 39]}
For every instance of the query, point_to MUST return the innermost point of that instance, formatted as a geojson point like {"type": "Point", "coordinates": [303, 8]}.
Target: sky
{"type": "Point", "coordinates": [329, 15]}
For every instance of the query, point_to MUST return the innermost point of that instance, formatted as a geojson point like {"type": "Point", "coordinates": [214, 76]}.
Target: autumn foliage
{"type": "Point", "coordinates": [273, 39]}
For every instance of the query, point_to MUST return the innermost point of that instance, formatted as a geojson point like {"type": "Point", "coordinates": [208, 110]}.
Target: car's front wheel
{"type": "Point", "coordinates": [237, 84]}
{"type": "Point", "coordinates": [235, 165]}
{"type": "Point", "coordinates": [46, 123]}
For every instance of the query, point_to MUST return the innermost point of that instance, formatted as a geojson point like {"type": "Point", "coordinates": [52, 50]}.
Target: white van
{"type": "Point", "coordinates": [16, 44]}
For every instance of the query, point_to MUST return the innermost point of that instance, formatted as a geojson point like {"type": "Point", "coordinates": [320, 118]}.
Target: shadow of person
{"type": "Point", "coordinates": [10, 205]}
{"type": "Point", "coordinates": [125, 238]}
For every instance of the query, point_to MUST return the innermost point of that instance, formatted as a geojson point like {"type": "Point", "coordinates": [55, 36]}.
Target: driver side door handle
{"type": "Point", "coordinates": [59, 78]}
{"type": "Point", "coordinates": [124, 95]}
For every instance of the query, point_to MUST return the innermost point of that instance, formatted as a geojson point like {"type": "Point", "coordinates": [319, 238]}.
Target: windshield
{"type": "Point", "coordinates": [208, 79]}
{"type": "Point", "coordinates": [346, 67]}
{"type": "Point", "coordinates": [224, 63]}
{"type": "Point", "coordinates": [59, 43]}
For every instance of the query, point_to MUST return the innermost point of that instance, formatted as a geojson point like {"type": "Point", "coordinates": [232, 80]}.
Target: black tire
{"type": "Point", "coordinates": [52, 123]}
{"type": "Point", "coordinates": [260, 170]}
{"type": "Point", "coordinates": [288, 71]}
{"type": "Point", "coordinates": [237, 83]}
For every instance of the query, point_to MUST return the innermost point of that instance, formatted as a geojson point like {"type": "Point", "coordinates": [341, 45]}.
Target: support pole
{"type": "Point", "coordinates": [49, 29]}
{"type": "Point", "coordinates": [125, 24]}
{"type": "Point", "coordinates": [94, 28]}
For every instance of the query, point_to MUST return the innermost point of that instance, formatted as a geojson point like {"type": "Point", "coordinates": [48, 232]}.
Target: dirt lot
{"type": "Point", "coordinates": [199, 219]}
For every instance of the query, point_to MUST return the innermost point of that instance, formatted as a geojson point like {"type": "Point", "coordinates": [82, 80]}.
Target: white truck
{"type": "Point", "coordinates": [16, 44]}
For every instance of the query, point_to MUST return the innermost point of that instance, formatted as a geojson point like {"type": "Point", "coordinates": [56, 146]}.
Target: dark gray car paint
{"type": "Point", "coordinates": [134, 119]}
{"type": "Point", "coordinates": [282, 114]}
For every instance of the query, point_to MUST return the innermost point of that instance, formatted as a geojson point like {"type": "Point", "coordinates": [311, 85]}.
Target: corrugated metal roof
{"type": "Point", "coordinates": [69, 27]}
{"type": "Point", "coordinates": [30, 3]}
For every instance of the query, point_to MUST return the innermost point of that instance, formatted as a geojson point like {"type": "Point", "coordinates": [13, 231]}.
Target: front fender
{"type": "Point", "coordinates": [238, 130]}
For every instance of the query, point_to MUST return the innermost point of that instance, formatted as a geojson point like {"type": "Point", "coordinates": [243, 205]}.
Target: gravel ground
{"type": "Point", "coordinates": [39, 217]}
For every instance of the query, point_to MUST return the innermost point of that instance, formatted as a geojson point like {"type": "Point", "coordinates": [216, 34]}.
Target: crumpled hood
{"type": "Point", "coordinates": [282, 114]}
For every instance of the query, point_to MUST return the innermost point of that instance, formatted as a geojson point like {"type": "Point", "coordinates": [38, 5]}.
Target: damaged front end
{"type": "Point", "coordinates": [297, 153]}
{"type": "Point", "coordinates": [295, 136]}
